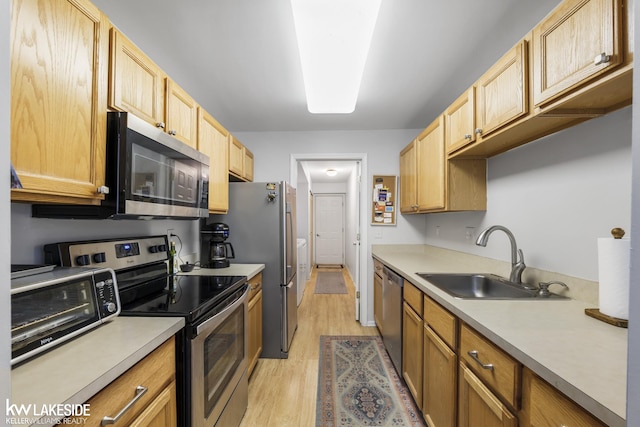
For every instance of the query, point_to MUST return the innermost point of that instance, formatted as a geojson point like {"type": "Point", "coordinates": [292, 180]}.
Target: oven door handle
{"type": "Point", "coordinates": [213, 320]}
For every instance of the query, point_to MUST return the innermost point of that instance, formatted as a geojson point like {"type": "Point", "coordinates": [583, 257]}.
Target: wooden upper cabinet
{"type": "Point", "coordinates": [136, 82]}
{"type": "Point", "coordinates": [181, 114]}
{"type": "Point", "coordinates": [431, 170]}
{"type": "Point", "coordinates": [240, 161]}
{"type": "Point", "coordinates": [408, 179]}
{"type": "Point", "coordinates": [502, 94]}
{"type": "Point", "coordinates": [213, 141]}
{"type": "Point", "coordinates": [59, 57]}
{"type": "Point", "coordinates": [579, 41]}
{"type": "Point", "coordinates": [460, 121]}
{"type": "Point", "coordinates": [248, 164]}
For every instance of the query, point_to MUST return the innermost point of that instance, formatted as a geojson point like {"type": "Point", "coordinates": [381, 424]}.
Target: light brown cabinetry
{"type": "Point", "coordinates": [431, 183]}
{"type": "Point", "coordinates": [439, 396]}
{"type": "Point", "coordinates": [478, 406]}
{"type": "Point", "coordinates": [240, 161]}
{"type": "Point", "coordinates": [59, 56]}
{"type": "Point", "coordinates": [460, 121]}
{"type": "Point", "coordinates": [412, 341]}
{"type": "Point", "coordinates": [255, 321]}
{"type": "Point", "coordinates": [140, 87]}
{"type": "Point", "coordinates": [213, 141]}
{"type": "Point", "coordinates": [154, 407]}
{"type": "Point", "coordinates": [579, 41]}
{"type": "Point", "coordinates": [377, 294]}
{"type": "Point", "coordinates": [544, 406]}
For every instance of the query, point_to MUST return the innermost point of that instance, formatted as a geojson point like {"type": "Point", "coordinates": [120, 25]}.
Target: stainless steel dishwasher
{"type": "Point", "coordinates": [392, 316]}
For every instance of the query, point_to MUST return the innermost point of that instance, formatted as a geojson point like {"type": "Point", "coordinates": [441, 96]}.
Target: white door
{"type": "Point", "coordinates": [329, 229]}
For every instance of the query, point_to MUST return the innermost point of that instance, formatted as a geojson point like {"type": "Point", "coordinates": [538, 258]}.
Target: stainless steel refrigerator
{"type": "Point", "coordinates": [262, 230]}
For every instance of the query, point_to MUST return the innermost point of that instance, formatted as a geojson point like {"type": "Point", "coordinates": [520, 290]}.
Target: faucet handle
{"type": "Point", "coordinates": [543, 287]}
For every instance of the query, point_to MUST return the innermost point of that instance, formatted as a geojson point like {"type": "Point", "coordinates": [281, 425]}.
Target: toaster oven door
{"type": "Point", "coordinates": [43, 317]}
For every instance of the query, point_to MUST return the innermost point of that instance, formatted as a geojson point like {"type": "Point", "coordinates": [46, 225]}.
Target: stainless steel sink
{"type": "Point", "coordinates": [481, 286]}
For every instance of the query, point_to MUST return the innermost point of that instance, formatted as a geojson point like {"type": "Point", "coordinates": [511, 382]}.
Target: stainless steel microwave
{"type": "Point", "coordinates": [149, 174]}
{"type": "Point", "coordinates": [54, 306]}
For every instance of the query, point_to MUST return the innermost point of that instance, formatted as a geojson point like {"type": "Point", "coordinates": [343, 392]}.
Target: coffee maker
{"type": "Point", "coordinates": [215, 252]}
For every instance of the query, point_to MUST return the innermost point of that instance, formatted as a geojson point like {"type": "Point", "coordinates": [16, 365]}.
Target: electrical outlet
{"type": "Point", "coordinates": [469, 233]}
{"type": "Point", "coordinates": [170, 231]}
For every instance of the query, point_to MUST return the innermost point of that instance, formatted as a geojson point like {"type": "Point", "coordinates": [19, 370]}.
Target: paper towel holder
{"type": "Point", "coordinates": [617, 233]}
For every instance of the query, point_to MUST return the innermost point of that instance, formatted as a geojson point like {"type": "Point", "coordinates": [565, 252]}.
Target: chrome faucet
{"type": "Point", "coordinates": [517, 257]}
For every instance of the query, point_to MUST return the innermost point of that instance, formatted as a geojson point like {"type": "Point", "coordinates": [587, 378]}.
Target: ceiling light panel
{"type": "Point", "coordinates": [333, 39]}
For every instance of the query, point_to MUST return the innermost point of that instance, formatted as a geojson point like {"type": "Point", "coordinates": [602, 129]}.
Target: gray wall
{"type": "Point", "coordinates": [5, 257]}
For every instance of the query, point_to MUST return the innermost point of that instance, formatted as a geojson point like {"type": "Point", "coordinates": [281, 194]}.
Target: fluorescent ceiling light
{"type": "Point", "coordinates": [332, 172]}
{"type": "Point", "coordinates": [333, 39]}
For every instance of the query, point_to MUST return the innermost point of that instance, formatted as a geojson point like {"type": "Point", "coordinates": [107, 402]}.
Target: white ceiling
{"type": "Point", "coordinates": [239, 60]}
{"type": "Point", "coordinates": [317, 170]}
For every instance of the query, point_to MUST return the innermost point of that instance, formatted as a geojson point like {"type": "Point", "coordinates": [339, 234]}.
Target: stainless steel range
{"type": "Point", "coordinates": [211, 350]}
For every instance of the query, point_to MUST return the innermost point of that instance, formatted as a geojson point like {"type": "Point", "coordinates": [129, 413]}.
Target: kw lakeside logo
{"type": "Point", "coordinates": [30, 413]}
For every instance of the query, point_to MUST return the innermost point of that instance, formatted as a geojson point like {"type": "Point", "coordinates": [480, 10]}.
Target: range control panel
{"type": "Point", "coordinates": [113, 253]}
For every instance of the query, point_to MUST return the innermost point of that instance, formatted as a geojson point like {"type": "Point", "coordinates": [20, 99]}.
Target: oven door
{"type": "Point", "coordinates": [219, 362]}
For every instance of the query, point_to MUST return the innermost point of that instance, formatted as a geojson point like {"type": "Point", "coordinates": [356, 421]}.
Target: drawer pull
{"type": "Point", "coordinates": [474, 356]}
{"type": "Point", "coordinates": [140, 391]}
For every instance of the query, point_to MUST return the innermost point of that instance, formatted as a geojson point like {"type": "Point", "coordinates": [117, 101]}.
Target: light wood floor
{"type": "Point", "coordinates": [282, 392]}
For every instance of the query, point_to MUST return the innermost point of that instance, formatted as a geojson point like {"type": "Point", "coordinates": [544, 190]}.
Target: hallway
{"type": "Point", "coordinates": [282, 392]}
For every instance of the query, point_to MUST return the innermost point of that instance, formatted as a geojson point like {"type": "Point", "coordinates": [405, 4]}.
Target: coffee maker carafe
{"type": "Point", "coordinates": [220, 252]}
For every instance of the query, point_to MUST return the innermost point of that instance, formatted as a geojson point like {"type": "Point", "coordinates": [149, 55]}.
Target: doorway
{"type": "Point", "coordinates": [355, 217]}
{"type": "Point", "coordinates": [329, 229]}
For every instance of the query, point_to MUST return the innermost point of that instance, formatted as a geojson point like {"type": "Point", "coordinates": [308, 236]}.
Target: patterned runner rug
{"type": "Point", "coordinates": [330, 282]}
{"type": "Point", "coordinates": [358, 386]}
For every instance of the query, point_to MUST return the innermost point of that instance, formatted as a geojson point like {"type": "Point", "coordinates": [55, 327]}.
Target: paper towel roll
{"type": "Point", "coordinates": [613, 272]}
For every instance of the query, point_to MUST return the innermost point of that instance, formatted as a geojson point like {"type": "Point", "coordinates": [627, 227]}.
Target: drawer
{"type": "Point", "coordinates": [492, 365]}
{"type": "Point", "coordinates": [255, 284]}
{"type": "Point", "coordinates": [413, 296]}
{"type": "Point", "coordinates": [154, 372]}
{"type": "Point", "coordinates": [550, 408]}
{"type": "Point", "coordinates": [377, 267]}
{"type": "Point", "coordinates": [441, 321]}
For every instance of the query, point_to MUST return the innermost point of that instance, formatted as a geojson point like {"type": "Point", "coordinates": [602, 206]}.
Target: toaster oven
{"type": "Point", "coordinates": [51, 307]}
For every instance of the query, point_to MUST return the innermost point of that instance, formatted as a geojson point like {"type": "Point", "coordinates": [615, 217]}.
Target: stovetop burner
{"type": "Point", "coordinates": [187, 296]}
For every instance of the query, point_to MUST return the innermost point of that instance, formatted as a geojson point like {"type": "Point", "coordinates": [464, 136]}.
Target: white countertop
{"type": "Point", "coordinates": [583, 357]}
{"type": "Point", "coordinates": [76, 370]}
{"type": "Point", "coordinates": [248, 270]}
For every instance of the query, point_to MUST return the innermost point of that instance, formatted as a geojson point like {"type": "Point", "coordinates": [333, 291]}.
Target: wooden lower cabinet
{"type": "Point", "coordinates": [155, 407]}
{"type": "Point", "coordinates": [412, 352]}
{"type": "Point", "coordinates": [255, 321]}
{"type": "Point", "coordinates": [439, 393]}
{"type": "Point", "coordinates": [544, 406]}
{"type": "Point", "coordinates": [478, 406]}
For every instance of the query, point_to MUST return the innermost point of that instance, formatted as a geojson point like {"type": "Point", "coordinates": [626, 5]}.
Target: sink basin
{"type": "Point", "coordinates": [480, 286]}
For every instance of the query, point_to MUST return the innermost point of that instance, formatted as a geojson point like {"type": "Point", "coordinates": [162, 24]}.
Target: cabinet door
{"type": "Point", "coordinates": [255, 330]}
{"type": "Point", "coordinates": [502, 91]}
{"type": "Point", "coordinates": [460, 122]}
{"type": "Point", "coordinates": [577, 42]}
{"type": "Point", "coordinates": [408, 179]}
{"type": "Point", "coordinates": [136, 83]}
{"type": "Point", "coordinates": [412, 352]}
{"type": "Point", "coordinates": [377, 300]}
{"type": "Point", "coordinates": [478, 406]}
{"type": "Point", "coordinates": [439, 381]}
{"type": "Point", "coordinates": [236, 157]}
{"type": "Point", "coordinates": [59, 68]}
{"type": "Point", "coordinates": [431, 167]}
{"type": "Point", "coordinates": [181, 114]}
{"type": "Point", "coordinates": [212, 141]}
{"type": "Point", "coordinates": [248, 165]}
{"type": "Point", "coordinates": [161, 412]}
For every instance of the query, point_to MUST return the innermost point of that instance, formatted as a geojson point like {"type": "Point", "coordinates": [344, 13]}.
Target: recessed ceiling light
{"type": "Point", "coordinates": [332, 172]}
{"type": "Point", "coordinates": [333, 39]}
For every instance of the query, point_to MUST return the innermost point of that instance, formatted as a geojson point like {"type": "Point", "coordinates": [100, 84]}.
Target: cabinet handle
{"type": "Point", "coordinates": [478, 131]}
{"type": "Point", "coordinates": [172, 132]}
{"type": "Point", "coordinates": [160, 125]}
{"type": "Point", "coordinates": [467, 136]}
{"type": "Point", "coordinates": [474, 356]}
{"type": "Point", "coordinates": [140, 391]}
{"type": "Point", "coordinates": [257, 285]}
{"type": "Point", "coordinates": [103, 189]}
{"type": "Point", "coordinates": [603, 58]}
